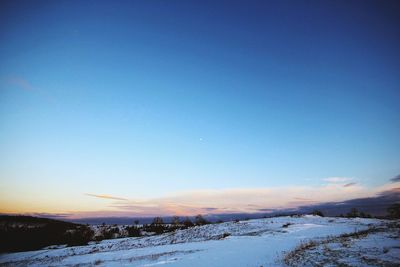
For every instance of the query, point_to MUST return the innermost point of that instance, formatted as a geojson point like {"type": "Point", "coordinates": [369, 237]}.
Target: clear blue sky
{"type": "Point", "coordinates": [147, 98]}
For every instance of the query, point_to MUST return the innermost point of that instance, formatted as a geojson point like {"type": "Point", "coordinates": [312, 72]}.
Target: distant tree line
{"type": "Point", "coordinates": [21, 233]}
{"type": "Point", "coordinates": [158, 226]}
{"type": "Point", "coordinates": [393, 212]}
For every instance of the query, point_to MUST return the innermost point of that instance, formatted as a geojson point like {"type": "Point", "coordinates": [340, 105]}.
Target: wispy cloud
{"type": "Point", "coordinates": [106, 196]}
{"type": "Point", "coordinates": [302, 199]}
{"type": "Point", "coordinates": [52, 215]}
{"type": "Point", "coordinates": [20, 82]}
{"type": "Point", "coordinates": [335, 180]}
{"type": "Point", "coordinates": [234, 200]}
{"type": "Point", "coordinates": [23, 84]}
{"type": "Point", "coordinates": [396, 178]}
{"type": "Point", "coordinates": [241, 199]}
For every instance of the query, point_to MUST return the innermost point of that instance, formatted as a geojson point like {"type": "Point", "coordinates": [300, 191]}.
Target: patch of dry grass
{"type": "Point", "coordinates": [298, 255]}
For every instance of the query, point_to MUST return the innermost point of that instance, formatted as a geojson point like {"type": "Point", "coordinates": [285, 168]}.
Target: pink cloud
{"type": "Point", "coordinates": [105, 196]}
{"type": "Point", "coordinates": [21, 83]}
{"type": "Point", "coordinates": [25, 85]}
{"type": "Point", "coordinates": [237, 200]}
{"type": "Point", "coordinates": [335, 180]}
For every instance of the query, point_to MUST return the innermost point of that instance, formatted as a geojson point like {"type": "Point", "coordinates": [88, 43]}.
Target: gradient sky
{"type": "Point", "coordinates": [115, 106]}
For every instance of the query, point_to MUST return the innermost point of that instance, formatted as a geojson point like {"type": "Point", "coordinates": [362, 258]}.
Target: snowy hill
{"type": "Point", "coordinates": [261, 242]}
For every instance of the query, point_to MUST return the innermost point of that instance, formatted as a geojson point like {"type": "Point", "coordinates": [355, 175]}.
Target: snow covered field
{"type": "Point", "coordinates": [261, 242]}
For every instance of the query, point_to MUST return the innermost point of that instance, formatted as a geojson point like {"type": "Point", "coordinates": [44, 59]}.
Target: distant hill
{"type": "Point", "coordinates": [375, 206]}
{"type": "Point", "coordinates": [19, 220]}
{"type": "Point", "coordinates": [22, 233]}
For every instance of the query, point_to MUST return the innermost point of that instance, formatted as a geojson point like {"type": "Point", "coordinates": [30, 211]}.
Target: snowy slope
{"type": "Point", "coordinates": [261, 242]}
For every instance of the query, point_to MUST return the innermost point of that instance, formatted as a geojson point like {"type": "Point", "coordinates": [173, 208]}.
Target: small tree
{"type": "Point", "coordinates": [364, 215]}
{"type": "Point", "coordinates": [353, 213]}
{"type": "Point", "coordinates": [136, 222]}
{"type": "Point", "coordinates": [106, 233]}
{"type": "Point", "coordinates": [80, 236]}
{"type": "Point", "coordinates": [199, 220]}
{"type": "Point", "coordinates": [187, 222]}
{"type": "Point", "coordinates": [158, 221]}
{"type": "Point", "coordinates": [394, 211]}
{"type": "Point", "coordinates": [157, 226]}
{"type": "Point", "coordinates": [318, 213]}
{"type": "Point", "coordinates": [133, 231]}
{"type": "Point", "coordinates": [175, 220]}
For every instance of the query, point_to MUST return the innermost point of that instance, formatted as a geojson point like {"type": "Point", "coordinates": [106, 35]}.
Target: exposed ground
{"type": "Point", "coordinates": [379, 245]}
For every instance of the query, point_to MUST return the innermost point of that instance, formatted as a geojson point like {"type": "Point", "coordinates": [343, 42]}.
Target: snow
{"type": "Point", "coordinates": [377, 246]}
{"type": "Point", "coordinates": [261, 242]}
